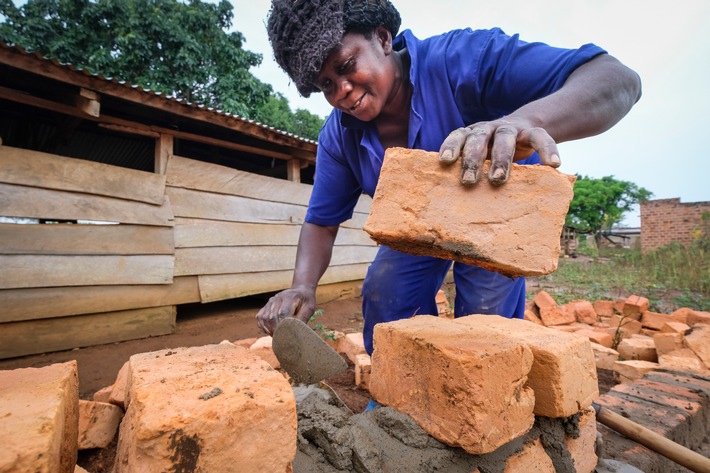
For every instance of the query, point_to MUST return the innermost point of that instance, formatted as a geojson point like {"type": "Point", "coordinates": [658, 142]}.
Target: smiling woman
{"type": "Point", "coordinates": [471, 95]}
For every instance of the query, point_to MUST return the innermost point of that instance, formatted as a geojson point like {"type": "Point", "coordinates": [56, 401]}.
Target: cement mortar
{"type": "Point", "coordinates": [331, 439]}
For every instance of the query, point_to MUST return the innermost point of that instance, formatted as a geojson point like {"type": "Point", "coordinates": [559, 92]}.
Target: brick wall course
{"type": "Point", "coordinates": [664, 221]}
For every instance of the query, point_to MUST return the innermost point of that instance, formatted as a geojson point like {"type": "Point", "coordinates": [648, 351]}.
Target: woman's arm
{"type": "Point", "coordinates": [594, 98]}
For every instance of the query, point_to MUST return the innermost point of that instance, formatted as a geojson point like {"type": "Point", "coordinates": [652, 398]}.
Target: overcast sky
{"type": "Point", "coordinates": [660, 145]}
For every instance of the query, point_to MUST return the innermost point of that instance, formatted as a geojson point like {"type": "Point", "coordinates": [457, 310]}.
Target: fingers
{"type": "Point", "coordinates": [275, 310]}
{"type": "Point", "coordinates": [451, 147]}
{"type": "Point", "coordinates": [545, 146]}
{"type": "Point", "coordinates": [502, 153]}
{"type": "Point", "coordinates": [474, 154]}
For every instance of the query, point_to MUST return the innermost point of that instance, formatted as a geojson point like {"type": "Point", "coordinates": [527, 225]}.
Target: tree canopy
{"type": "Point", "coordinates": [181, 49]}
{"type": "Point", "coordinates": [599, 204]}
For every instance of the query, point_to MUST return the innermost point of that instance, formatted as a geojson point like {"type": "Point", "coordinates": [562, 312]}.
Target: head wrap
{"type": "Point", "coordinates": [303, 32]}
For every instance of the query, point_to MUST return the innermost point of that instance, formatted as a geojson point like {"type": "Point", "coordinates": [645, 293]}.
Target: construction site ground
{"type": "Point", "coordinates": [199, 324]}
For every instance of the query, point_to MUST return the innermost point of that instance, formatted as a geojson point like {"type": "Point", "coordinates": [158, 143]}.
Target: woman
{"type": "Point", "coordinates": [471, 95]}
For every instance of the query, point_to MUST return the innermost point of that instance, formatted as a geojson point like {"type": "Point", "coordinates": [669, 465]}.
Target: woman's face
{"type": "Point", "coordinates": [357, 77]}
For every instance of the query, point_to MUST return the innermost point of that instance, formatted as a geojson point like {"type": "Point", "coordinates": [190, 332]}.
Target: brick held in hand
{"type": "Point", "coordinates": [420, 208]}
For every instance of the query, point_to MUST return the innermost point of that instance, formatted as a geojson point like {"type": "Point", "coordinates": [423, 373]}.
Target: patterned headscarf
{"type": "Point", "coordinates": [303, 32]}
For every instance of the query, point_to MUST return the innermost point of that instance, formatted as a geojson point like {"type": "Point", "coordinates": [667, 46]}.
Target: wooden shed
{"type": "Point", "coordinates": [119, 204]}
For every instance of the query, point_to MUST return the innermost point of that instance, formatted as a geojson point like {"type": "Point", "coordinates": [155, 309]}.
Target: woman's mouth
{"type": "Point", "coordinates": [357, 104]}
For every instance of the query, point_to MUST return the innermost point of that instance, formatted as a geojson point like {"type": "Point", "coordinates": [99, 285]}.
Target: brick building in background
{"type": "Point", "coordinates": [664, 221]}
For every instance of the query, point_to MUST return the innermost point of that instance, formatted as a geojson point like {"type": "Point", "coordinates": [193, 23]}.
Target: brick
{"type": "Point", "coordinates": [675, 327]}
{"type": "Point", "coordinates": [698, 340]}
{"type": "Point", "coordinates": [604, 357]}
{"type": "Point", "coordinates": [583, 311]}
{"type": "Point", "coordinates": [697, 317]}
{"type": "Point", "coordinates": [118, 389]}
{"type": "Point", "coordinates": [597, 336]}
{"type": "Point", "coordinates": [638, 349]}
{"type": "Point", "coordinates": [628, 326]}
{"type": "Point", "coordinates": [681, 315]}
{"type": "Point", "coordinates": [654, 320]}
{"type": "Point", "coordinates": [39, 418]}
{"type": "Point", "coordinates": [464, 390]}
{"type": "Point", "coordinates": [682, 360]}
{"type": "Point", "coordinates": [208, 408]}
{"type": "Point", "coordinates": [530, 316]}
{"type": "Point", "coordinates": [532, 457]}
{"type": "Point", "coordinates": [629, 370]}
{"type": "Point", "coordinates": [363, 368]}
{"type": "Point", "coordinates": [634, 306]}
{"type": "Point", "coordinates": [98, 423]}
{"type": "Point", "coordinates": [420, 207]}
{"type": "Point", "coordinates": [442, 305]}
{"type": "Point", "coordinates": [353, 345]}
{"type": "Point", "coordinates": [581, 449]}
{"type": "Point", "coordinates": [667, 342]}
{"type": "Point", "coordinates": [103, 394]}
{"type": "Point", "coordinates": [619, 305]}
{"type": "Point", "coordinates": [543, 300]}
{"type": "Point", "coordinates": [563, 374]}
{"type": "Point", "coordinates": [78, 469]}
{"type": "Point", "coordinates": [245, 342]}
{"type": "Point", "coordinates": [604, 308]}
{"type": "Point", "coordinates": [263, 348]}
{"type": "Point", "coordinates": [556, 315]}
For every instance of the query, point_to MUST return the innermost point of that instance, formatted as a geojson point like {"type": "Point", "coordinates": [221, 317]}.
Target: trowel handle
{"type": "Point", "coordinates": [650, 439]}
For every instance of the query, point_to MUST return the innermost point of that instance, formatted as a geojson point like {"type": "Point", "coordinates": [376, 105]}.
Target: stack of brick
{"type": "Point", "coordinates": [186, 409]}
{"type": "Point", "coordinates": [627, 337]}
{"type": "Point", "coordinates": [482, 382]}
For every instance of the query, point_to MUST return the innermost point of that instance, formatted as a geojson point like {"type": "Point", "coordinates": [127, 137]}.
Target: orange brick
{"type": "Point", "coordinates": [532, 458]}
{"type": "Point", "coordinates": [463, 389]}
{"type": "Point", "coordinates": [698, 340]}
{"type": "Point", "coordinates": [543, 300]}
{"type": "Point", "coordinates": [530, 316]}
{"type": "Point", "coordinates": [583, 311]}
{"type": "Point", "coordinates": [675, 327]}
{"type": "Point", "coordinates": [582, 449]}
{"type": "Point", "coordinates": [638, 349]}
{"type": "Point", "coordinates": [634, 306]}
{"type": "Point", "coordinates": [556, 315]}
{"type": "Point", "coordinates": [602, 338]}
{"type": "Point", "coordinates": [654, 320]}
{"type": "Point", "coordinates": [604, 308]}
{"type": "Point", "coordinates": [533, 203]}
{"type": "Point", "coordinates": [667, 342]}
{"type": "Point", "coordinates": [363, 368]}
{"type": "Point", "coordinates": [353, 345]}
{"type": "Point", "coordinates": [563, 374]}
{"type": "Point", "coordinates": [630, 370]}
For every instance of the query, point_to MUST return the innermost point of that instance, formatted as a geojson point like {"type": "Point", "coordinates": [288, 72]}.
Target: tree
{"type": "Point", "coordinates": [598, 204]}
{"type": "Point", "coordinates": [177, 48]}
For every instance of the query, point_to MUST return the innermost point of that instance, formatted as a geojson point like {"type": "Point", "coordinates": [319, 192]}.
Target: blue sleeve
{"type": "Point", "coordinates": [493, 74]}
{"type": "Point", "coordinates": [335, 188]}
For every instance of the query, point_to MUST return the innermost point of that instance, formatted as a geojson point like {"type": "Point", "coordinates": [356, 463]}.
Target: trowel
{"type": "Point", "coordinates": [303, 354]}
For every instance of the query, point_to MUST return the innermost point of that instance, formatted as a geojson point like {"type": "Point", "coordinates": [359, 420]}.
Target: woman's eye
{"type": "Point", "coordinates": [346, 66]}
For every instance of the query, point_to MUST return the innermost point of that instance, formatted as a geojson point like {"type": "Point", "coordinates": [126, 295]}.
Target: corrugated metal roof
{"type": "Point", "coordinates": [159, 95]}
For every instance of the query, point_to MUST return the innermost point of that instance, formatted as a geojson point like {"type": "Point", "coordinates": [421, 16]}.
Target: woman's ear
{"type": "Point", "coordinates": [384, 38]}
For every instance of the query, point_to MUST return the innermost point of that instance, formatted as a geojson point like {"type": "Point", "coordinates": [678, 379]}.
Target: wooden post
{"type": "Point", "coordinates": [88, 102]}
{"type": "Point", "coordinates": [293, 169]}
{"type": "Point", "coordinates": [163, 152]}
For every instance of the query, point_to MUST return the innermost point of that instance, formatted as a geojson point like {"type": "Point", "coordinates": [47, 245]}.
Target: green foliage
{"type": "Point", "coordinates": [598, 204]}
{"type": "Point", "coordinates": [322, 330]}
{"type": "Point", "coordinates": [178, 48]}
{"type": "Point", "coordinates": [276, 112]}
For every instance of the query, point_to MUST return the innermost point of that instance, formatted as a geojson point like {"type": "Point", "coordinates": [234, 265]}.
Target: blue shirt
{"type": "Point", "coordinates": [458, 78]}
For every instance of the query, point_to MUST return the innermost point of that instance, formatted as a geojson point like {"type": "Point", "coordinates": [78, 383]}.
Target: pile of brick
{"type": "Point", "coordinates": [487, 392]}
{"type": "Point", "coordinates": [627, 337]}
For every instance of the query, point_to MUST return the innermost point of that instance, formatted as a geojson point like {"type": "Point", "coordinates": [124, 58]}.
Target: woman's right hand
{"type": "Point", "coordinates": [299, 302]}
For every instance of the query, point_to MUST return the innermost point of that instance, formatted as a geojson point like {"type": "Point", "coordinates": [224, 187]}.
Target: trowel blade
{"type": "Point", "coordinates": [304, 355]}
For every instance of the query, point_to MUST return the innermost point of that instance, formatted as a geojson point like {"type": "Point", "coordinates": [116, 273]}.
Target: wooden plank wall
{"type": "Point", "coordinates": [237, 231]}
{"type": "Point", "coordinates": [199, 232]}
{"type": "Point", "coordinates": [68, 285]}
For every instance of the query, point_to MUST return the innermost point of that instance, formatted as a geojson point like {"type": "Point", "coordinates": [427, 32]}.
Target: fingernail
{"type": "Point", "coordinates": [469, 176]}
{"type": "Point", "coordinates": [555, 160]}
{"type": "Point", "coordinates": [446, 155]}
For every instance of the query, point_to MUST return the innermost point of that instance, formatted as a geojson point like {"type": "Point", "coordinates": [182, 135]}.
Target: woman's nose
{"type": "Point", "coordinates": [344, 88]}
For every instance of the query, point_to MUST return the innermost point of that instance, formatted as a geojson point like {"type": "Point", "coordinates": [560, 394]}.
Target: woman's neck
{"type": "Point", "coordinates": [393, 122]}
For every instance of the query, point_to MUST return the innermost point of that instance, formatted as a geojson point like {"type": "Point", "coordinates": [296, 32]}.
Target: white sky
{"type": "Point", "coordinates": [659, 145]}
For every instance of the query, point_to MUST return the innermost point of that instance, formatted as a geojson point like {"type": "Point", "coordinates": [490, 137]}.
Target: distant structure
{"type": "Point", "coordinates": [665, 221]}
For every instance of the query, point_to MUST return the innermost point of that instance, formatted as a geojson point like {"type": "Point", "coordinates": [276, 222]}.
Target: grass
{"type": "Point", "coordinates": [671, 277]}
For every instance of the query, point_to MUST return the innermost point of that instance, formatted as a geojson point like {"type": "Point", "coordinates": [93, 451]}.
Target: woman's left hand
{"type": "Point", "coordinates": [502, 141]}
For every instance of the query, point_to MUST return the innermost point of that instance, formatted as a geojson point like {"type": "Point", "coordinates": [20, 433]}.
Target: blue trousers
{"type": "Point", "coordinates": [399, 285]}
